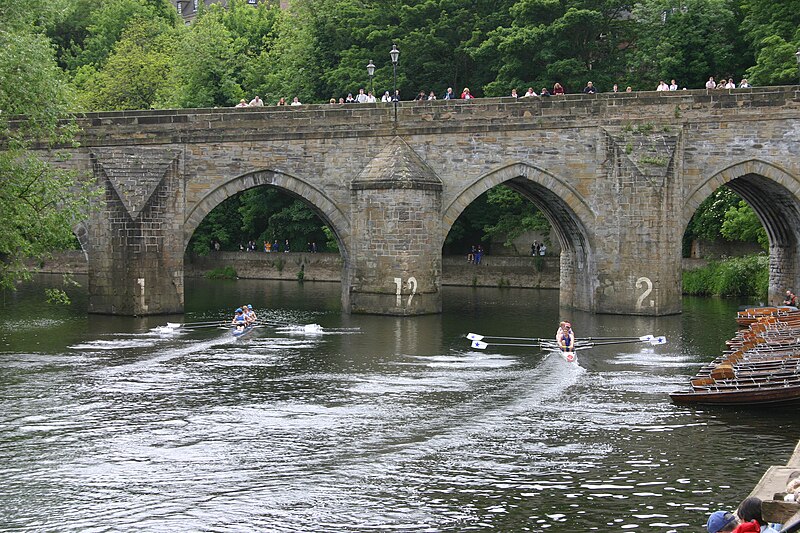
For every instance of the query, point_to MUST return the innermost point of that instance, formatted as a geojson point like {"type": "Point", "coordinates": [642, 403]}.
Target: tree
{"type": "Point", "coordinates": [136, 74]}
{"type": "Point", "coordinates": [742, 224]}
{"type": "Point", "coordinates": [688, 40]}
{"type": "Point", "coordinates": [548, 41]}
{"type": "Point", "coordinates": [204, 67]}
{"type": "Point", "coordinates": [39, 204]}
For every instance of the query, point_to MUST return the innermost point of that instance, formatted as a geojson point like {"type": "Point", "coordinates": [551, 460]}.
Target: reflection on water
{"type": "Point", "coordinates": [111, 423]}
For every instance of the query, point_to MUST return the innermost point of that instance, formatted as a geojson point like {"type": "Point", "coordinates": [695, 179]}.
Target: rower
{"type": "Point", "coordinates": [239, 320]}
{"type": "Point", "coordinates": [565, 337]}
{"type": "Point", "coordinates": [250, 315]}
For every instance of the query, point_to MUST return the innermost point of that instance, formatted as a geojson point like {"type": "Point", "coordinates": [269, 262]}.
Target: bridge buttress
{"type": "Point", "coordinates": [135, 240]}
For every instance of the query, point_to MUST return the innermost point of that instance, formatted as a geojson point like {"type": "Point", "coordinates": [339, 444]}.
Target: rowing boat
{"type": "Point", "coordinates": [569, 357]}
{"type": "Point", "coordinates": [239, 331]}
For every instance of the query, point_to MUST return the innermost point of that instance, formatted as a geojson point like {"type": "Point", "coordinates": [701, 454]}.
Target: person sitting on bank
{"type": "Point", "coordinates": [565, 337]}
{"type": "Point", "coordinates": [791, 299]}
{"type": "Point", "coordinates": [721, 521]}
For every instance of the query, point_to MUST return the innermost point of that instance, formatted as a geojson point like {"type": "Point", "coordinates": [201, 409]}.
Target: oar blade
{"type": "Point", "coordinates": [658, 340]}
{"type": "Point", "coordinates": [474, 337]}
{"type": "Point", "coordinates": [480, 345]}
{"type": "Point", "coordinates": [646, 338]}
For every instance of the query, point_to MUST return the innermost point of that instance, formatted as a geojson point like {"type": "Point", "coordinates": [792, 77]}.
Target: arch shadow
{"type": "Point", "coordinates": [320, 203]}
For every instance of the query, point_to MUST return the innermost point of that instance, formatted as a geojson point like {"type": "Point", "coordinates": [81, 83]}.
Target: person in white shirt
{"type": "Point", "coordinates": [296, 101]}
{"type": "Point", "coordinates": [662, 86]}
{"type": "Point", "coordinates": [673, 86]}
{"type": "Point", "coordinates": [361, 98]}
{"type": "Point", "coordinates": [386, 97]}
{"type": "Point", "coordinates": [711, 84]}
{"type": "Point", "coordinates": [256, 102]}
{"type": "Point", "coordinates": [371, 98]}
{"type": "Point", "coordinates": [530, 93]}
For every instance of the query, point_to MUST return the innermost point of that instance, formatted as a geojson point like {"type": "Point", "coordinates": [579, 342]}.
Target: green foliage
{"type": "Point", "coordinates": [709, 217]}
{"type": "Point", "coordinates": [227, 272]}
{"type": "Point", "coordinates": [688, 41]}
{"type": "Point", "coordinates": [137, 74]}
{"type": "Point", "coordinates": [742, 224]}
{"type": "Point", "coordinates": [205, 66]}
{"type": "Point", "coordinates": [39, 204]}
{"type": "Point", "coordinates": [775, 63]}
{"type": "Point", "coordinates": [743, 277]}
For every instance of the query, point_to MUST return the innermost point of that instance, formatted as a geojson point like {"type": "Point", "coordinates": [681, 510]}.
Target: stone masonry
{"type": "Point", "coordinates": [618, 175]}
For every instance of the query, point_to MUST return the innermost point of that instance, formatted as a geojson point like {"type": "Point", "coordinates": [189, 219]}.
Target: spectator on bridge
{"type": "Point", "coordinates": [514, 93]}
{"type": "Point", "coordinates": [371, 98]}
{"type": "Point", "coordinates": [431, 96]}
{"type": "Point", "coordinates": [242, 103]}
{"type": "Point", "coordinates": [361, 98]}
{"type": "Point", "coordinates": [296, 101]}
{"type": "Point", "coordinates": [673, 86]}
{"type": "Point", "coordinates": [530, 93]}
{"type": "Point", "coordinates": [730, 84]}
{"type": "Point", "coordinates": [662, 86]}
{"type": "Point", "coordinates": [281, 101]}
{"type": "Point", "coordinates": [711, 84]}
{"type": "Point", "coordinates": [744, 84]}
{"type": "Point", "coordinates": [721, 521]}
{"type": "Point", "coordinates": [421, 97]}
{"type": "Point", "coordinates": [544, 92]}
{"type": "Point", "coordinates": [615, 88]}
{"type": "Point", "coordinates": [449, 95]}
{"type": "Point", "coordinates": [349, 99]}
{"type": "Point", "coordinates": [386, 97]}
{"type": "Point", "coordinates": [396, 95]}
{"type": "Point", "coordinates": [466, 95]}
{"type": "Point", "coordinates": [256, 102]}
{"type": "Point", "coordinates": [332, 101]}
{"type": "Point", "coordinates": [341, 101]}
{"type": "Point", "coordinates": [590, 88]}
{"type": "Point", "coordinates": [558, 89]}
{"type": "Point", "coordinates": [628, 89]}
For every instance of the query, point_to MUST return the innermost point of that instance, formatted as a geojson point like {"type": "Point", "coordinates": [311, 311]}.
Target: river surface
{"type": "Point", "coordinates": [369, 423]}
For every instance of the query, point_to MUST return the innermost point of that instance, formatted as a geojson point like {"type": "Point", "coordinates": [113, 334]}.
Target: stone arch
{"type": "Point", "coordinates": [772, 192]}
{"type": "Point", "coordinates": [562, 204]}
{"type": "Point", "coordinates": [566, 210]}
{"type": "Point", "coordinates": [317, 199]}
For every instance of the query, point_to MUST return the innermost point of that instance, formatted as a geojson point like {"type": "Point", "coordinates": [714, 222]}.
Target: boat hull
{"type": "Point", "coordinates": [762, 396]}
{"type": "Point", "coordinates": [239, 333]}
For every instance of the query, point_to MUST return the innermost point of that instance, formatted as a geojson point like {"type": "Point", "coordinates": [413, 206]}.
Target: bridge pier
{"type": "Point", "coordinates": [135, 239]}
{"type": "Point", "coordinates": [396, 221]}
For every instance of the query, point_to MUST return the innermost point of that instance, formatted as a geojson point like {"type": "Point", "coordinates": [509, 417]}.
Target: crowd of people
{"type": "Point", "coordinates": [367, 97]}
{"type": "Point", "coordinates": [270, 247]}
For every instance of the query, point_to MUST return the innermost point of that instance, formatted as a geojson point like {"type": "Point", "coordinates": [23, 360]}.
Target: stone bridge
{"type": "Point", "coordinates": [618, 175]}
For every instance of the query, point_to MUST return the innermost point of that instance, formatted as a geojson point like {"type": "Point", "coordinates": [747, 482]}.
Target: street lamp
{"type": "Point", "coordinates": [371, 72]}
{"type": "Point", "coordinates": [394, 53]}
{"type": "Point", "coordinates": [797, 56]}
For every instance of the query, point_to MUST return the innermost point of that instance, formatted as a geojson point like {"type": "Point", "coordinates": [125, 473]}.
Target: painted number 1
{"type": "Point", "coordinates": [643, 281]}
{"type": "Point", "coordinates": [412, 284]}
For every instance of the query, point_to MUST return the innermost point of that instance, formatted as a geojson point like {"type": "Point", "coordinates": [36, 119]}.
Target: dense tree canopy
{"type": "Point", "coordinates": [85, 55]}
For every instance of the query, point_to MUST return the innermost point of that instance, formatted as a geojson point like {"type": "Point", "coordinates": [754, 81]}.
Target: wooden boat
{"type": "Point", "coordinates": [761, 366]}
{"type": "Point", "coordinates": [752, 314]}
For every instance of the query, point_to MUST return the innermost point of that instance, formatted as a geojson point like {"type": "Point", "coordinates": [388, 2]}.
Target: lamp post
{"type": "Point", "coordinates": [394, 53]}
{"type": "Point", "coordinates": [371, 72]}
{"type": "Point", "coordinates": [797, 56]}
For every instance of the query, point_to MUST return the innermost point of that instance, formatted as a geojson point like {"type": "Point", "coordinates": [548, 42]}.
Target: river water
{"type": "Point", "coordinates": [370, 423]}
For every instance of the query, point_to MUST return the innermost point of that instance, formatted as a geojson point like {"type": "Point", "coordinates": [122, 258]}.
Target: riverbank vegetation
{"type": "Point", "coordinates": [740, 276]}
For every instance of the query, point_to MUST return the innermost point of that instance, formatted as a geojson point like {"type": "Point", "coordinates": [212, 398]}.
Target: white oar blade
{"type": "Point", "coordinates": [646, 338]}
{"type": "Point", "coordinates": [173, 325]}
{"type": "Point", "coordinates": [479, 345]}
{"type": "Point", "coordinates": [658, 340]}
{"type": "Point", "coordinates": [474, 337]}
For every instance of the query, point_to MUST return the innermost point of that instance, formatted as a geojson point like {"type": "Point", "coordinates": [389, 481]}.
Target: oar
{"type": "Point", "coordinates": [193, 326]}
{"type": "Point", "coordinates": [478, 337]}
{"type": "Point", "coordinates": [653, 341]}
{"type": "Point", "coordinates": [632, 339]}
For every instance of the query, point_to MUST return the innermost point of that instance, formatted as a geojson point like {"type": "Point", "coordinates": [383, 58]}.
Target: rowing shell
{"type": "Point", "coordinates": [236, 332]}
{"type": "Point", "coordinates": [569, 357]}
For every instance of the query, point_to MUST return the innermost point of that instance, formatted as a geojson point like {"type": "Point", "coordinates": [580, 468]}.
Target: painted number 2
{"type": "Point", "coordinates": [643, 281]}
{"type": "Point", "coordinates": [412, 284]}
